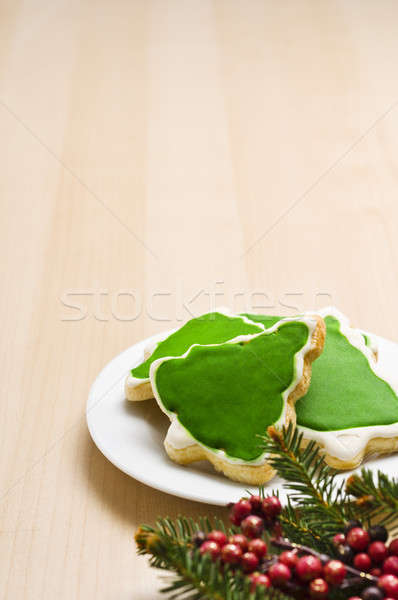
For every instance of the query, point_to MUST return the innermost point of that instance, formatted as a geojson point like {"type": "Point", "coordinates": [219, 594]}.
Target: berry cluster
{"type": "Point", "coordinates": [255, 514]}
{"type": "Point", "coordinates": [295, 571]}
{"type": "Point", "coordinates": [364, 559]}
{"type": "Point", "coordinates": [303, 575]}
{"type": "Point", "coordinates": [246, 549]}
{"type": "Point", "coordinates": [366, 550]}
{"type": "Point", "coordinates": [236, 550]}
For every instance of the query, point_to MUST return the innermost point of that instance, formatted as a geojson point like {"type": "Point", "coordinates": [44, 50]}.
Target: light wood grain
{"type": "Point", "coordinates": [170, 147]}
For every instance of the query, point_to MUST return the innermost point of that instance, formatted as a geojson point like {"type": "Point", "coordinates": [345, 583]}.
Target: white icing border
{"type": "Point", "coordinates": [134, 382]}
{"type": "Point", "coordinates": [373, 344]}
{"type": "Point", "coordinates": [345, 444]}
{"type": "Point", "coordinates": [180, 438]}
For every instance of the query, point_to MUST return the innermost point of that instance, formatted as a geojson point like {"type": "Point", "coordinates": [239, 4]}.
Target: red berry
{"type": "Point", "coordinates": [272, 507]}
{"type": "Point", "coordinates": [354, 598]}
{"type": "Point", "coordinates": [335, 571]}
{"type": "Point", "coordinates": [358, 539]}
{"type": "Point", "coordinates": [211, 548]}
{"type": "Point", "coordinates": [389, 585]}
{"type": "Point", "coordinates": [318, 588]}
{"type": "Point", "coordinates": [258, 546]}
{"type": "Point", "coordinates": [239, 511]}
{"type": "Point", "coordinates": [256, 503]}
{"type": "Point", "coordinates": [390, 565]}
{"type": "Point", "coordinates": [279, 573]}
{"type": "Point", "coordinates": [375, 572]}
{"type": "Point", "coordinates": [338, 539]}
{"type": "Point", "coordinates": [252, 526]}
{"type": "Point", "coordinates": [259, 579]}
{"type": "Point", "coordinates": [217, 536]}
{"type": "Point", "coordinates": [289, 558]}
{"type": "Point", "coordinates": [249, 562]}
{"type": "Point", "coordinates": [377, 552]}
{"type": "Point", "coordinates": [239, 539]}
{"type": "Point", "coordinates": [362, 562]}
{"type": "Point", "coordinates": [351, 524]}
{"type": "Point", "coordinates": [308, 567]}
{"type": "Point", "coordinates": [393, 548]}
{"type": "Point", "coordinates": [231, 553]}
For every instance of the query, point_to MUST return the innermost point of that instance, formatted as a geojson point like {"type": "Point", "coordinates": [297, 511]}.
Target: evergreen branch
{"type": "Point", "coordinates": [315, 498]}
{"type": "Point", "coordinates": [201, 578]}
{"type": "Point", "coordinates": [195, 576]}
{"type": "Point", "coordinates": [376, 496]}
{"type": "Point", "coordinates": [296, 528]}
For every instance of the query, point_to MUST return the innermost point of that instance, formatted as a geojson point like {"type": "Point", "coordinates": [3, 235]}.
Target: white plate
{"type": "Point", "coordinates": [131, 434]}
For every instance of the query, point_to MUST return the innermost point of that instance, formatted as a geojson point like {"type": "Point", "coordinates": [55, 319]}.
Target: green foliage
{"type": "Point", "coordinates": [318, 507]}
{"type": "Point", "coordinates": [195, 577]}
{"type": "Point", "coordinates": [376, 497]}
{"type": "Point", "coordinates": [198, 577]}
{"type": "Point", "coordinates": [298, 529]}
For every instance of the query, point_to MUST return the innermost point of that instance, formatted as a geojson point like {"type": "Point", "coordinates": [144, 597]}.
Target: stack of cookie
{"type": "Point", "coordinates": [223, 379]}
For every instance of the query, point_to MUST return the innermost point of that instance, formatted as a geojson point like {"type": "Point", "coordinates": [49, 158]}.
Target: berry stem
{"type": "Point", "coordinates": [353, 581]}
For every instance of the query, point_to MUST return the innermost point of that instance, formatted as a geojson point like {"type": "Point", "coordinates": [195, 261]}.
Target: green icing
{"type": "Point", "coordinates": [227, 395]}
{"type": "Point", "coordinates": [212, 328]}
{"type": "Point", "coordinates": [344, 390]}
{"type": "Point", "coordinates": [265, 320]}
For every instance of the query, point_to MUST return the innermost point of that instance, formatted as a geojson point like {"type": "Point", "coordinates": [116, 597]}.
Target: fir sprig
{"type": "Point", "coordinates": [376, 497]}
{"type": "Point", "coordinates": [195, 576]}
{"type": "Point", "coordinates": [297, 529]}
{"type": "Point", "coordinates": [318, 507]}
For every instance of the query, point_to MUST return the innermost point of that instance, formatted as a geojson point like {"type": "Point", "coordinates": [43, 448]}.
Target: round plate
{"type": "Point", "coordinates": [131, 434]}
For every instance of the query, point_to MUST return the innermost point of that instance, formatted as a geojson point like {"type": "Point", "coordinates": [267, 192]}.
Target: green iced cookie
{"type": "Point", "coordinates": [227, 395]}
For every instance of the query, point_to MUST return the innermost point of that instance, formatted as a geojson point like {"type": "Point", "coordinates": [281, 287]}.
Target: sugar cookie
{"type": "Point", "coordinates": [220, 398]}
{"type": "Point", "coordinates": [349, 409]}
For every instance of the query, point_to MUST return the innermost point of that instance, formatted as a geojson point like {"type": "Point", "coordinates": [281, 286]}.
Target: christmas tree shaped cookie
{"type": "Point", "coordinates": [212, 328]}
{"type": "Point", "coordinates": [220, 398]}
{"type": "Point", "coordinates": [349, 409]}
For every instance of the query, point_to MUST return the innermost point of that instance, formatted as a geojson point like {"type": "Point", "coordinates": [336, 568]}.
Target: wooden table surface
{"type": "Point", "coordinates": [155, 153]}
